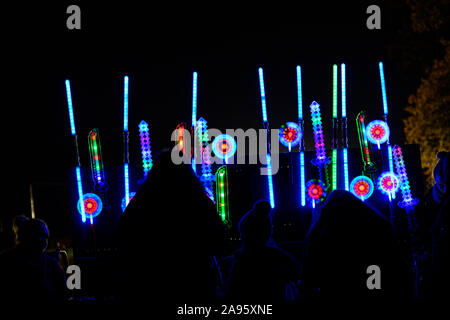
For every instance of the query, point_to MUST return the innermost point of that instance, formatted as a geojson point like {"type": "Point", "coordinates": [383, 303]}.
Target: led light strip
{"type": "Point", "coordinates": [96, 157]}
{"type": "Point", "coordinates": [269, 162]}
{"type": "Point", "coordinates": [408, 201]}
{"type": "Point", "coordinates": [344, 120]}
{"type": "Point", "coordinates": [302, 152]}
{"type": "Point", "coordinates": [125, 132]}
{"type": "Point", "coordinates": [194, 114]}
{"type": "Point", "coordinates": [207, 177]}
{"type": "Point", "coordinates": [146, 150]}
{"type": "Point", "coordinates": [222, 194]}
{"type": "Point", "coordinates": [74, 134]}
{"type": "Point", "coordinates": [335, 128]}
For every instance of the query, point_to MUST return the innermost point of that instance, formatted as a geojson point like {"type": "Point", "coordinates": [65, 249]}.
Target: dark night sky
{"type": "Point", "coordinates": [159, 47]}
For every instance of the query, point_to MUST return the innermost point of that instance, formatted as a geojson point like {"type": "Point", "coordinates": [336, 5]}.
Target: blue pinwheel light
{"type": "Point", "coordinates": [92, 205]}
{"type": "Point", "coordinates": [377, 132]}
{"type": "Point", "coordinates": [362, 187]}
{"type": "Point", "coordinates": [224, 146]}
{"type": "Point", "coordinates": [290, 134]}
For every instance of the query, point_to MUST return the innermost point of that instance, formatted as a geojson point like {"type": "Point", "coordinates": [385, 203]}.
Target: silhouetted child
{"type": "Point", "coordinates": [260, 270]}
{"type": "Point", "coordinates": [27, 273]}
{"type": "Point", "coordinates": [348, 237]}
{"type": "Point", "coordinates": [167, 236]}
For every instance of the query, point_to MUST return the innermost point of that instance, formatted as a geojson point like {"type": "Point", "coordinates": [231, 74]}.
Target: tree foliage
{"type": "Point", "coordinates": [428, 122]}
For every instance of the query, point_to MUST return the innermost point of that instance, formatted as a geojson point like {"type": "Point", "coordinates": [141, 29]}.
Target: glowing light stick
{"type": "Point", "coordinates": [224, 147]}
{"type": "Point", "coordinates": [302, 145]}
{"type": "Point", "coordinates": [366, 152]}
{"type": "Point", "coordinates": [123, 204]}
{"type": "Point", "coordinates": [194, 112]}
{"type": "Point", "coordinates": [74, 135]}
{"type": "Point", "coordinates": [385, 110]}
{"type": "Point", "coordinates": [222, 194]}
{"type": "Point", "coordinates": [408, 201]}
{"type": "Point", "coordinates": [206, 177]}
{"type": "Point", "coordinates": [290, 135]}
{"type": "Point", "coordinates": [91, 204]}
{"type": "Point", "coordinates": [266, 126]}
{"type": "Point", "coordinates": [321, 159]}
{"type": "Point", "coordinates": [125, 141]}
{"type": "Point", "coordinates": [362, 187]}
{"type": "Point", "coordinates": [344, 125]}
{"type": "Point", "coordinates": [335, 128]}
{"type": "Point", "coordinates": [377, 132]}
{"type": "Point", "coordinates": [316, 191]}
{"type": "Point", "coordinates": [95, 154]}
{"type": "Point", "coordinates": [388, 183]}
{"type": "Point", "coordinates": [146, 150]}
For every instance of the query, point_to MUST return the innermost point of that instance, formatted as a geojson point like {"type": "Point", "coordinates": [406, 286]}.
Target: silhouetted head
{"type": "Point", "coordinates": [343, 216]}
{"type": "Point", "coordinates": [18, 223]}
{"type": "Point", "coordinates": [255, 226]}
{"type": "Point", "coordinates": [441, 172]}
{"type": "Point", "coordinates": [34, 236]}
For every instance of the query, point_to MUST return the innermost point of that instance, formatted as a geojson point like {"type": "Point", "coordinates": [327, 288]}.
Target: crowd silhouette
{"type": "Point", "coordinates": [172, 247]}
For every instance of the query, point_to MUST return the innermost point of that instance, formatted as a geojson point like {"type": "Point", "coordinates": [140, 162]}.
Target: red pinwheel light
{"type": "Point", "coordinates": [290, 134]}
{"type": "Point", "coordinates": [90, 205]}
{"type": "Point", "coordinates": [377, 132]}
{"type": "Point", "coordinates": [315, 191]}
{"type": "Point", "coordinates": [388, 183]}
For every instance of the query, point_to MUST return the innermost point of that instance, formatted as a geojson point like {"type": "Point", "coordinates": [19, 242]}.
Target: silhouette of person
{"type": "Point", "coordinates": [167, 236]}
{"type": "Point", "coordinates": [27, 273]}
{"type": "Point", "coordinates": [260, 271]}
{"type": "Point", "coordinates": [347, 238]}
{"type": "Point", "coordinates": [433, 223]}
{"type": "Point", "coordinates": [18, 223]}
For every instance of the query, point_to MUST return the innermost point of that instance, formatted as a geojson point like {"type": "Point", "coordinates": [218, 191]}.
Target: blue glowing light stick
{"type": "Point", "coordinates": [74, 135]}
{"type": "Point", "coordinates": [408, 201]}
{"type": "Point", "coordinates": [385, 110]}
{"type": "Point", "coordinates": [125, 140]}
{"type": "Point", "coordinates": [344, 125]}
{"type": "Point", "coordinates": [302, 146]}
{"type": "Point", "coordinates": [266, 126]}
{"type": "Point", "coordinates": [194, 113]}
